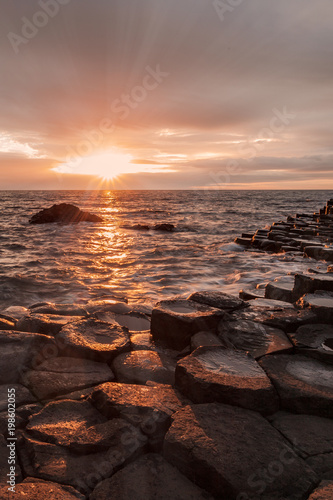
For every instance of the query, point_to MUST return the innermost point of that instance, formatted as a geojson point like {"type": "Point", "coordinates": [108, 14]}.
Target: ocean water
{"type": "Point", "coordinates": [73, 263]}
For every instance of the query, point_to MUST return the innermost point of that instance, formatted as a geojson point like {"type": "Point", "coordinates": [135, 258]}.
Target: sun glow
{"type": "Point", "coordinates": [108, 165]}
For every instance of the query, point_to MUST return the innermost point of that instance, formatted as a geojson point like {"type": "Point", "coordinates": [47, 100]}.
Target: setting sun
{"type": "Point", "coordinates": [108, 165]}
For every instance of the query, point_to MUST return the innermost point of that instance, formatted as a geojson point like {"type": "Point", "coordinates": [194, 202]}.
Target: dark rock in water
{"type": "Point", "coordinates": [323, 492]}
{"type": "Point", "coordinates": [59, 464]}
{"type": "Point", "coordinates": [136, 227]}
{"type": "Point", "coordinates": [138, 367]}
{"type": "Point", "coordinates": [320, 303]}
{"type": "Point", "coordinates": [315, 341]}
{"type": "Point", "coordinates": [63, 375]}
{"type": "Point", "coordinates": [93, 339]}
{"type": "Point", "coordinates": [36, 489]}
{"type": "Point", "coordinates": [48, 324]}
{"type": "Point", "coordinates": [219, 300]}
{"type": "Point", "coordinates": [303, 384]}
{"type": "Point", "coordinates": [147, 407]}
{"type": "Point", "coordinates": [148, 478]}
{"type": "Point", "coordinates": [65, 213]}
{"type": "Point", "coordinates": [174, 322]}
{"type": "Point", "coordinates": [216, 374]}
{"type": "Point", "coordinates": [309, 434]}
{"type": "Point", "coordinates": [79, 427]}
{"type": "Point", "coordinates": [20, 351]}
{"type": "Point", "coordinates": [236, 454]}
{"type": "Point", "coordinates": [256, 338]}
{"type": "Point", "coordinates": [164, 227]}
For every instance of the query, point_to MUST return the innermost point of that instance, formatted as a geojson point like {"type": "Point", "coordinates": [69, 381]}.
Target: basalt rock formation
{"type": "Point", "coordinates": [64, 213]}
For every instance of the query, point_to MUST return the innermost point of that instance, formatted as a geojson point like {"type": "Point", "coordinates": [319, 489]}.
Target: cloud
{"type": "Point", "coordinates": [225, 79]}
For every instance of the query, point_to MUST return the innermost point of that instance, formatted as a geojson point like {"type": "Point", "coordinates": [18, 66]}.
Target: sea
{"type": "Point", "coordinates": [79, 262]}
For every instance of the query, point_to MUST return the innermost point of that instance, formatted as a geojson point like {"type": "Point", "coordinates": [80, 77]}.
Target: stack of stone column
{"type": "Point", "coordinates": [310, 235]}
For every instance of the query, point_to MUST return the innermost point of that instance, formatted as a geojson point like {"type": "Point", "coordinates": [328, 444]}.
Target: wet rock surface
{"type": "Point", "coordinates": [216, 374]}
{"type": "Point", "coordinates": [93, 339]}
{"type": "Point", "coordinates": [174, 322]}
{"type": "Point", "coordinates": [315, 341]}
{"type": "Point", "coordinates": [149, 477]}
{"type": "Point", "coordinates": [44, 323]}
{"type": "Point", "coordinates": [304, 385]}
{"type": "Point", "coordinates": [64, 213]}
{"type": "Point", "coordinates": [63, 375]}
{"type": "Point", "coordinates": [140, 366]}
{"type": "Point", "coordinates": [256, 338]}
{"type": "Point", "coordinates": [230, 452]}
{"type": "Point", "coordinates": [219, 300]}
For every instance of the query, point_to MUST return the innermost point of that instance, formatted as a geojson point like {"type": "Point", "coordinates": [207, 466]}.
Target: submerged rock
{"type": "Point", "coordinates": [174, 322]}
{"type": "Point", "coordinates": [216, 374]}
{"type": "Point", "coordinates": [164, 227]}
{"type": "Point", "coordinates": [65, 213]}
{"type": "Point", "coordinates": [236, 454]}
{"type": "Point", "coordinates": [303, 384]}
{"type": "Point", "coordinates": [63, 375]}
{"type": "Point", "coordinates": [148, 478]}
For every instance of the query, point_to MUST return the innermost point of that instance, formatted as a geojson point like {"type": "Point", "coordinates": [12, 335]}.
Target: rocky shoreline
{"type": "Point", "coordinates": [212, 396]}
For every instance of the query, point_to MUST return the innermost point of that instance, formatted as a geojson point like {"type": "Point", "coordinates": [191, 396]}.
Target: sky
{"type": "Point", "coordinates": [176, 94]}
